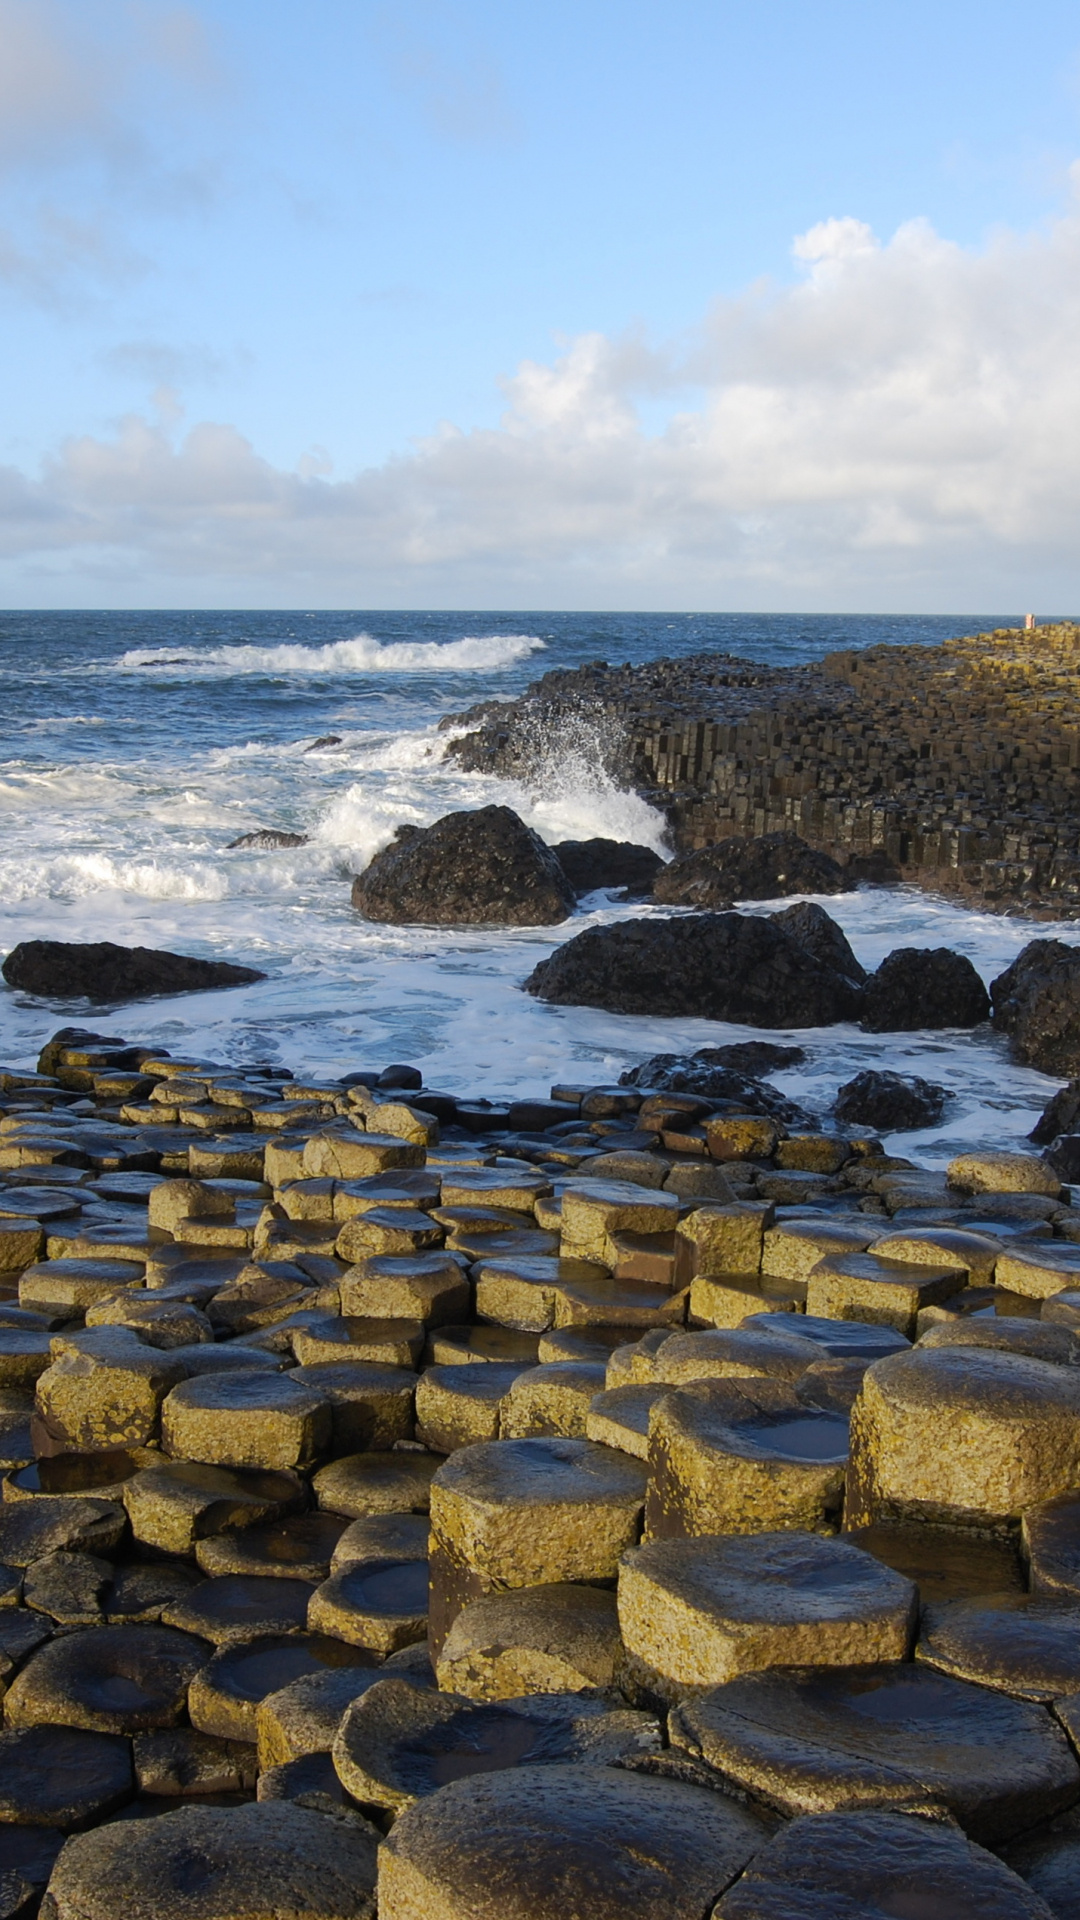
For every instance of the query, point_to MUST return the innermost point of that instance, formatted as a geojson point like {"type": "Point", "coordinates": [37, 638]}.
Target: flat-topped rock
{"type": "Point", "coordinates": [1024, 1646]}
{"type": "Point", "coordinates": [107, 1679]}
{"type": "Point", "coordinates": [104, 972]}
{"type": "Point", "coordinates": [364, 1484]}
{"type": "Point", "coordinates": [300, 1548]}
{"type": "Point", "coordinates": [226, 1692]}
{"type": "Point", "coordinates": [246, 1419]}
{"type": "Point", "coordinates": [742, 1456]}
{"type": "Point", "coordinates": [61, 1776]}
{"type": "Point", "coordinates": [173, 1505]}
{"type": "Point", "coordinates": [548, 1639]}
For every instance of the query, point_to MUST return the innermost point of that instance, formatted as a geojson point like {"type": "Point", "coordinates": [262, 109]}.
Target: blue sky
{"type": "Point", "coordinates": [455, 304]}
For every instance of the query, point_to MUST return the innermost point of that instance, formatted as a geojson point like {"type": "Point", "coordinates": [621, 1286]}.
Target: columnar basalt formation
{"type": "Point", "coordinates": [957, 767]}
{"type": "Point", "coordinates": [431, 1518]}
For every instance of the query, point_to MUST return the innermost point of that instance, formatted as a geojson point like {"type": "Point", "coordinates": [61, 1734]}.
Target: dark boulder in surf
{"type": "Point", "coordinates": [469, 869]}
{"type": "Point", "coordinates": [589, 864]}
{"type": "Point", "coordinates": [103, 972]}
{"type": "Point", "coordinates": [738, 869]}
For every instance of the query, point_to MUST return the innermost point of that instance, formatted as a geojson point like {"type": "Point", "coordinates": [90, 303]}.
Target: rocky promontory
{"type": "Point", "coordinates": [956, 767]}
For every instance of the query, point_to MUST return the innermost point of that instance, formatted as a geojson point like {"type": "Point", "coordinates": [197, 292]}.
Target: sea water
{"type": "Point", "coordinates": [136, 746]}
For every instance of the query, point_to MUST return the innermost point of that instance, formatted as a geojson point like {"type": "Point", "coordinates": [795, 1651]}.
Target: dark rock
{"type": "Point", "coordinates": [589, 864]}
{"type": "Point", "coordinates": [738, 869]}
{"type": "Point", "coordinates": [754, 1057]}
{"type": "Point", "coordinates": [890, 1102]}
{"type": "Point", "coordinates": [715, 966]}
{"type": "Point", "coordinates": [57, 1776]}
{"type": "Point", "coordinates": [324, 740]}
{"type": "Point", "coordinates": [1037, 1003]}
{"type": "Point", "coordinates": [817, 931]}
{"type": "Point", "coordinates": [468, 868]}
{"type": "Point", "coordinates": [919, 987]}
{"type": "Point", "coordinates": [102, 971]}
{"type": "Point", "coordinates": [264, 839]}
{"type": "Point", "coordinates": [403, 1077]}
{"type": "Point", "coordinates": [1064, 1156]}
{"type": "Point", "coordinates": [1061, 1114]}
{"type": "Point", "coordinates": [693, 1074]}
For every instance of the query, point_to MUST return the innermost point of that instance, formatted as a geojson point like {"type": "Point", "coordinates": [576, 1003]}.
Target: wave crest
{"type": "Point", "coordinates": [474, 653]}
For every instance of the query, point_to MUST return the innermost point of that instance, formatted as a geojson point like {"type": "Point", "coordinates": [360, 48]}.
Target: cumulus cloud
{"type": "Point", "coordinates": [900, 428]}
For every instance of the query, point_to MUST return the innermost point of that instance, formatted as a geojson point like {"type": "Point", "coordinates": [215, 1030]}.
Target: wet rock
{"type": "Point", "coordinates": [1037, 1003]}
{"type": "Point", "coordinates": [141, 1590]}
{"type": "Point", "coordinates": [102, 971]}
{"type": "Point", "coordinates": [267, 839]}
{"type": "Point", "coordinates": [246, 1419]}
{"type": "Point", "coordinates": [212, 1862]}
{"type": "Point", "coordinates": [997, 1172]}
{"type": "Point", "coordinates": [176, 1761]}
{"type": "Point", "coordinates": [716, 966]}
{"type": "Point", "coordinates": [397, 1743]}
{"type": "Point", "coordinates": [1061, 1115]}
{"type": "Point", "coordinates": [765, 868]}
{"type": "Point", "coordinates": [711, 1077]}
{"type": "Point", "coordinates": [695, 1613]}
{"type": "Point", "coordinates": [944, 1565]}
{"type": "Point", "coordinates": [882, 1863]}
{"type": "Point", "coordinates": [371, 1404]}
{"type": "Point", "coordinates": [467, 869]}
{"type": "Point", "coordinates": [818, 932]}
{"type": "Point", "coordinates": [896, 1735]}
{"type": "Point", "coordinates": [108, 1679]}
{"type": "Point", "coordinates": [1026, 1647]}
{"type": "Point", "coordinates": [378, 1604]}
{"type": "Point", "coordinates": [225, 1694]}
{"type": "Point", "coordinates": [1050, 1534]}
{"type": "Point", "coordinates": [538, 1843]}
{"type": "Point", "coordinates": [300, 1548]}
{"type": "Point", "coordinates": [31, 1529]}
{"type": "Point", "coordinates": [384, 1536]}
{"type": "Point", "coordinates": [62, 1776]}
{"type": "Point", "coordinates": [589, 864]}
{"type": "Point", "coordinates": [742, 1456]}
{"type": "Point", "coordinates": [546, 1639]}
{"type": "Point", "coordinates": [182, 1501]}
{"type": "Point", "coordinates": [919, 987]}
{"type": "Point", "coordinates": [1049, 1861]}
{"type": "Point", "coordinates": [429, 1287]}
{"type": "Point", "coordinates": [365, 1484]}
{"type": "Point", "coordinates": [890, 1102]}
{"type": "Point", "coordinates": [237, 1606]}
{"type": "Point", "coordinates": [885, 1292]}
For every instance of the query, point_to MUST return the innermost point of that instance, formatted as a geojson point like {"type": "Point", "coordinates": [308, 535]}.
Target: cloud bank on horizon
{"type": "Point", "coordinates": [896, 426]}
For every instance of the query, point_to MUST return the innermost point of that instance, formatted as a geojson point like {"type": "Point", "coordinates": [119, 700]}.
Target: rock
{"type": "Point", "coordinates": [1061, 1114]}
{"type": "Point", "coordinates": [707, 1077]}
{"type": "Point", "coordinates": [895, 1735]}
{"type": "Point", "coordinates": [589, 864]}
{"type": "Point", "coordinates": [246, 1419]}
{"type": "Point", "coordinates": [1051, 1542]}
{"type": "Point", "coordinates": [468, 869]}
{"type": "Point", "coordinates": [297, 1549]}
{"type": "Point", "coordinates": [61, 1776]}
{"type": "Point", "coordinates": [366, 1484]}
{"type": "Point", "coordinates": [104, 972]}
{"type": "Point", "coordinates": [890, 1102]}
{"type": "Point", "coordinates": [31, 1529]}
{"type": "Point", "coordinates": [541, 1843]}
{"type": "Point", "coordinates": [924, 987]}
{"type": "Point", "coordinates": [27, 1857]}
{"type": "Point", "coordinates": [877, 1863]}
{"type": "Point", "coordinates": [219, 1863]}
{"type": "Point", "coordinates": [756, 1057]}
{"type": "Point", "coordinates": [1021, 1432]}
{"type": "Point", "coordinates": [429, 1287]}
{"type": "Point", "coordinates": [304, 1716]}
{"type": "Point", "coordinates": [177, 1760]}
{"type": "Point", "coordinates": [103, 1392]}
{"type": "Point", "coordinates": [69, 1587]}
{"type": "Point", "coordinates": [1026, 1647]}
{"type": "Point", "coordinates": [141, 1590]}
{"type": "Point", "coordinates": [548, 1639]}
{"type": "Point", "coordinates": [1063, 1155]}
{"type": "Point", "coordinates": [884, 1292]}
{"type": "Point", "coordinates": [817, 931]}
{"type": "Point", "coordinates": [765, 868]}
{"type": "Point", "coordinates": [237, 1606]}
{"type": "Point", "coordinates": [742, 1456]}
{"type": "Point", "coordinates": [173, 1505]}
{"type": "Point", "coordinates": [225, 1694]}
{"type": "Point", "coordinates": [695, 1613]}
{"type": "Point", "coordinates": [265, 839]}
{"type": "Point", "coordinates": [1038, 1269]}
{"type": "Point", "coordinates": [378, 1604]}
{"type": "Point", "coordinates": [398, 1743]}
{"type": "Point", "coordinates": [108, 1679]}
{"type": "Point", "coordinates": [458, 1406]}
{"type": "Point", "coordinates": [1049, 1861]}
{"type": "Point", "coordinates": [716, 966]}
{"type": "Point", "coordinates": [944, 1565]}
{"type": "Point", "coordinates": [1037, 1003]}
{"type": "Point", "coordinates": [996, 1172]}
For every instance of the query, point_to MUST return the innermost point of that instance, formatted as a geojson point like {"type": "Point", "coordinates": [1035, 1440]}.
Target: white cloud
{"type": "Point", "coordinates": [899, 429]}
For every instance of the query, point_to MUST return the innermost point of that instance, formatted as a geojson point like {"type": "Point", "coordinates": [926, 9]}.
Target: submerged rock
{"type": "Point", "coordinates": [739, 869]}
{"type": "Point", "coordinates": [1037, 1003]}
{"type": "Point", "coordinates": [102, 971]}
{"type": "Point", "coordinates": [716, 966]}
{"type": "Point", "coordinates": [589, 864]}
{"type": "Point", "coordinates": [467, 869]}
{"type": "Point", "coordinates": [918, 987]}
{"type": "Point", "coordinates": [890, 1102]}
{"type": "Point", "coordinates": [265, 838]}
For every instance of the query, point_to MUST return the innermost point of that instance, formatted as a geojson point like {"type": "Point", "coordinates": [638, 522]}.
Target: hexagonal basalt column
{"type": "Point", "coordinates": [729, 1456]}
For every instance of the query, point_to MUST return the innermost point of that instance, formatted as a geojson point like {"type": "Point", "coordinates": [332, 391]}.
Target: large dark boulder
{"type": "Point", "coordinates": [709, 966]}
{"type": "Point", "coordinates": [755, 1057]}
{"type": "Point", "coordinates": [467, 869]}
{"type": "Point", "coordinates": [818, 932]}
{"type": "Point", "coordinates": [890, 1102]}
{"type": "Point", "coordinates": [1061, 1114]}
{"type": "Point", "coordinates": [918, 987]}
{"type": "Point", "coordinates": [589, 864]}
{"type": "Point", "coordinates": [703, 1074]}
{"type": "Point", "coordinates": [103, 972]}
{"type": "Point", "coordinates": [739, 869]}
{"type": "Point", "coordinates": [1037, 1003]}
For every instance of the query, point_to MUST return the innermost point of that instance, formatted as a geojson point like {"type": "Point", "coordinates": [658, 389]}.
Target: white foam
{"type": "Point", "coordinates": [75, 875]}
{"type": "Point", "coordinates": [484, 653]}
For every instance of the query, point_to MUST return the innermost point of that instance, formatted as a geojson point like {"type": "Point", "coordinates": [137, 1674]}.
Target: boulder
{"type": "Point", "coordinates": [1037, 1003]}
{"type": "Point", "coordinates": [589, 864]}
{"type": "Point", "coordinates": [712, 1077]}
{"type": "Point", "coordinates": [467, 869]}
{"type": "Point", "coordinates": [890, 1102]}
{"type": "Point", "coordinates": [715, 966]}
{"type": "Point", "coordinates": [1061, 1115]}
{"type": "Point", "coordinates": [101, 971]}
{"type": "Point", "coordinates": [265, 839]}
{"type": "Point", "coordinates": [918, 987]}
{"type": "Point", "coordinates": [817, 931]}
{"type": "Point", "coordinates": [738, 869]}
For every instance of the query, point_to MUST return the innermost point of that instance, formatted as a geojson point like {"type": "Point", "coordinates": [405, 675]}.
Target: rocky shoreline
{"type": "Point", "coordinates": [956, 768]}
{"type": "Point", "coordinates": [642, 1501]}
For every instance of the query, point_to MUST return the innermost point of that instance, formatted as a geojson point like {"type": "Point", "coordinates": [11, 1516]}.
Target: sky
{"type": "Point", "coordinates": [693, 306]}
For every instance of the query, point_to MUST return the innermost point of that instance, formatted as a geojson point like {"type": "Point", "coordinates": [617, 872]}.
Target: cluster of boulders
{"type": "Point", "coordinates": [638, 1502]}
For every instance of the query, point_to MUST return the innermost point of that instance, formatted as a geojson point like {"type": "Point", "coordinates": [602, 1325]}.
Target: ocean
{"type": "Point", "coordinates": [136, 746]}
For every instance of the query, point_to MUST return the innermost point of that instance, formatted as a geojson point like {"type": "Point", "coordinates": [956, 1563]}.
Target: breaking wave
{"type": "Point", "coordinates": [482, 653]}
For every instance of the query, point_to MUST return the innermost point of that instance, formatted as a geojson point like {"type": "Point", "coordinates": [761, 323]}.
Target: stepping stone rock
{"type": "Point", "coordinates": [742, 1456]}
{"type": "Point", "coordinates": [183, 1501]}
{"type": "Point", "coordinates": [490, 1346]}
{"type": "Point", "coordinates": [552, 1639]}
{"type": "Point", "coordinates": [108, 1679]}
{"type": "Point", "coordinates": [225, 1694]}
{"type": "Point", "coordinates": [429, 1287]}
{"type": "Point", "coordinates": [297, 1549]}
{"type": "Point", "coordinates": [396, 1343]}
{"type": "Point", "coordinates": [384, 1536]}
{"type": "Point", "coordinates": [1039, 1341]}
{"type": "Point", "coordinates": [521, 1513]}
{"type": "Point", "coordinates": [539, 1843]}
{"type": "Point", "coordinates": [695, 1613]}
{"type": "Point", "coordinates": [61, 1776]}
{"type": "Point", "coordinates": [69, 1587]}
{"type": "Point", "coordinates": [552, 1400]}
{"type": "Point", "coordinates": [619, 1417]}
{"type": "Point", "coordinates": [246, 1419]}
{"type": "Point", "coordinates": [239, 1606]}
{"type": "Point", "coordinates": [1029, 1648]}
{"type": "Point", "coordinates": [885, 1292]}
{"type": "Point", "coordinates": [835, 1339]}
{"type": "Point", "coordinates": [1021, 1437]}
{"type": "Point", "coordinates": [219, 1863]}
{"type": "Point", "coordinates": [397, 1744]}
{"type": "Point", "coordinates": [365, 1484]}
{"type": "Point", "coordinates": [25, 1353]}
{"type": "Point", "coordinates": [27, 1858]}
{"type": "Point", "coordinates": [178, 1761]}
{"type": "Point", "coordinates": [30, 1529]}
{"type": "Point", "coordinates": [303, 1717]}
{"type": "Point", "coordinates": [1003, 1173]}
{"type": "Point", "coordinates": [371, 1405]}
{"type": "Point", "coordinates": [381, 1605]}
{"type": "Point", "coordinates": [1038, 1268]}
{"type": "Point", "coordinates": [896, 1735]}
{"type": "Point", "coordinates": [459, 1406]}
{"type": "Point", "coordinates": [309, 1782]}
{"type": "Point", "coordinates": [877, 1863]}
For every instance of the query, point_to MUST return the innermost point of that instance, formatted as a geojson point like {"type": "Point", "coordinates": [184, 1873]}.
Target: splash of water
{"type": "Point", "coordinates": [485, 653]}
